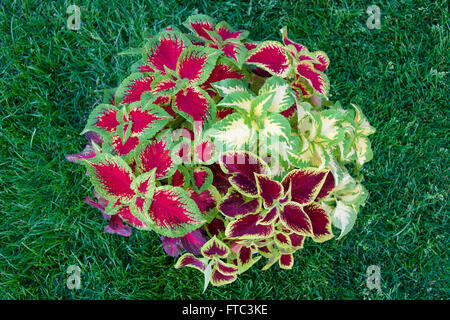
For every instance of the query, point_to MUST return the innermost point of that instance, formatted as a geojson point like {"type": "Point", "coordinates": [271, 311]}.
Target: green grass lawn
{"type": "Point", "coordinates": [52, 77]}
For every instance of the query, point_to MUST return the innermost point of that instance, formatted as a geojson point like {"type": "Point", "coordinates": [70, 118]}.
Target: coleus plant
{"type": "Point", "coordinates": [228, 148]}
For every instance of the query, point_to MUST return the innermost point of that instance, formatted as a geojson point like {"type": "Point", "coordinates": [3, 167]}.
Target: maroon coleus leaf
{"type": "Point", "coordinates": [220, 178]}
{"type": "Point", "coordinates": [269, 190]}
{"type": "Point", "coordinates": [171, 246]}
{"type": "Point", "coordinates": [215, 248]}
{"type": "Point", "coordinates": [111, 177]}
{"type": "Point", "coordinates": [219, 279]}
{"type": "Point", "coordinates": [173, 213]}
{"type": "Point", "coordinates": [188, 260]}
{"type": "Point", "coordinates": [305, 184]}
{"type": "Point", "coordinates": [116, 226]}
{"type": "Point", "coordinates": [327, 187]}
{"type": "Point", "coordinates": [205, 200]}
{"type": "Point", "coordinates": [286, 261]}
{"type": "Point", "coordinates": [294, 218]}
{"type": "Point", "coordinates": [320, 221]}
{"type": "Point", "coordinates": [223, 112]}
{"type": "Point", "coordinates": [226, 268]}
{"type": "Point", "coordinates": [215, 227]}
{"type": "Point", "coordinates": [87, 153]}
{"type": "Point", "coordinates": [92, 136]}
{"type": "Point", "coordinates": [165, 50]}
{"type": "Point", "coordinates": [247, 227]}
{"type": "Point", "coordinates": [288, 113]}
{"type": "Point", "coordinates": [269, 216]}
{"type": "Point", "coordinates": [271, 57]}
{"type": "Point", "coordinates": [243, 166]}
{"type": "Point", "coordinates": [178, 179]}
{"type": "Point", "coordinates": [156, 155]}
{"type": "Point", "coordinates": [282, 240]}
{"type": "Point", "coordinates": [191, 242]}
{"type": "Point", "coordinates": [296, 240]}
{"type": "Point", "coordinates": [233, 204]}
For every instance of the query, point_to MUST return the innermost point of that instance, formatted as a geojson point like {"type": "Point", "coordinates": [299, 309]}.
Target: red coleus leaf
{"type": "Point", "coordinates": [298, 47]}
{"type": "Point", "coordinates": [215, 248]}
{"type": "Point", "coordinates": [111, 177]}
{"type": "Point", "coordinates": [320, 221]}
{"type": "Point", "coordinates": [200, 25]}
{"type": "Point", "coordinates": [203, 152]}
{"type": "Point", "coordinates": [173, 213]}
{"type": "Point", "coordinates": [146, 68]}
{"type": "Point", "coordinates": [165, 50]}
{"type": "Point", "coordinates": [201, 179]}
{"type": "Point", "coordinates": [316, 79]}
{"type": "Point", "coordinates": [195, 64]}
{"type": "Point", "coordinates": [234, 204]}
{"type": "Point", "coordinates": [193, 103]}
{"type": "Point", "coordinates": [135, 87]}
{"type": "Point", "coordinates": [269, 190]}
{"type": "Point", "coordinates": [103, 119]}
{"type": "Point", "coordinates": [128, 217]}
{"type": "Point", "coordinates": [188, 260]}
{"type": "Point", "coordinates": [323, 59]}
{"type": "Point", "coordinates": [243, 166]}
{"type": "Point", "coordinates": [235, 50]}
{"type": "Point", "coordinates": [271, 57]}
{"type": "Point", "coordinates": [294, 218]}
{"type": "Point", "coordinates": [247, 227]}
{"type": "Point", "coordinates": [221, 72]}
{"type": "Point", "coordinates": [225, 33]}
{"type": "Point", "coordinates": [305, 184]}
{"type": "Point", "coordinates": [146, 121]}
{"type": "Point", "coordinates": [156, 155]}
{"type": "Point", "coordinates": [163, 85]}
{"type": "Point", "coordinates": [124, 148]}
